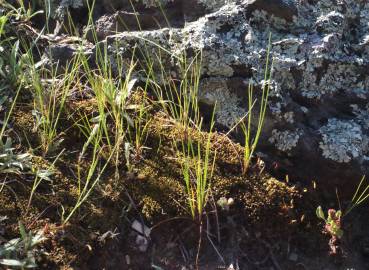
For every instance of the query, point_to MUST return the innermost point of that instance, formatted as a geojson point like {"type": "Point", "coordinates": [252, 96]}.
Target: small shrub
{"type": "Point", "coordinates": [333, 222]}
{"type": "Point", "coordinates": [11, 162]}
{"type": "Point", "coordinates": [21, 252]}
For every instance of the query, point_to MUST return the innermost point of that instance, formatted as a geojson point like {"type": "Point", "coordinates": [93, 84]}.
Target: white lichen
{"type": "Point", "coordinates": [214, 91]}
{"type": "Point", "coordinates": [342, 141]}
{"type": "Point", "coordinates": [154, 3]}
{"type": "Point", "coordinates": [331, 22]}
{"type": "Point", "coordinates": [213, 4]}
{"type": "Point", "coordinates": [285, 140]}
{"type": "Point", "coordinates": [288, 117]}
{"type": "Point", "coordinates": [58, 8]}
{"type": "Point", "coordinates": [71, 3]}
{"type": "Point", "coordinates": [362, 115]}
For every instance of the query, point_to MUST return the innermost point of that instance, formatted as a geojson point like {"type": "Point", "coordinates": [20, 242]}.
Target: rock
{"type": "Point", "coordinates": [142, 239]}
{"type": "Point", "coordinates": [122, 21]}
{"type": "Point", "coordinates": [148, 16]}
{"type": "Point", "coordinates": [60, 54]}
{"type": "Point", "coordinates": [285, 9]}
{"type": "Point", "coordinates": [293, 257]}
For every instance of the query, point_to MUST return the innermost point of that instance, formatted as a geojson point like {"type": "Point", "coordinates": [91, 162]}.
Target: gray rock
{"type": "Point", "coordinates": [293, 257]}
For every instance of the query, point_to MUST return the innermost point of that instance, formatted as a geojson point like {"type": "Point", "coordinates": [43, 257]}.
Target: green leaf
{"type": "Point", "coordinates": [319, 213]}
{"type": "Point", "coordinates": [22, 231]}
{"type": "Point", "coordinates": [338, 214]}
{"type": "Point", "coordinates": [339, 233]}
{"type": "Point", "coordinates": [3, 20]}
{"type": "Point", "coordinates": [44, 174]}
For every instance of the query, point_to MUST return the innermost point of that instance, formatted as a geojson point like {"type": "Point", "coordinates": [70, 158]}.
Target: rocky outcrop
{"type": "Point", "coordinates": [317, 126]}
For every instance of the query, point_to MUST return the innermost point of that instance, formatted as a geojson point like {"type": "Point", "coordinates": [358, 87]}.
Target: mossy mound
{"type": "Point", "coordinates": [154, 187]}
{"type": "Point", "coordinates": [160, 188]}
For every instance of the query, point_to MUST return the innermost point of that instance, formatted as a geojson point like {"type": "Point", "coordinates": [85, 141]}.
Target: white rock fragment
{"type": "Point", "coordinates": [142, 239]}
{"type": "Point", "coordinates": [293, 257]}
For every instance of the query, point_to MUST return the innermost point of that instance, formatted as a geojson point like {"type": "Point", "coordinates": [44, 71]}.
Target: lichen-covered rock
{"type": "Point", "coordinates": [215, 90]}
{"type": "Point", "coordinates": [343, 140]}
{"type": "Point", "coordinates": [317, 122]}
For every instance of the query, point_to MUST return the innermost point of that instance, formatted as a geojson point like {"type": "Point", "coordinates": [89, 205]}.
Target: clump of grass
{"type": "Point", "coordinates": [138, 132]}
{"type": "Point", "coordinates": [182, 106]}
{"type": "Point", "coordinates": [40, 176]}
{"type": "Point", "coordinates": [9, 161]}
{"type": "Point", "coordinates": [252, 138]}
{"type": "Point", "coordinates": [21, 252]}
{"type": "Point", "coordinates": [197, 170]}
{"type": "Point", "coordinates": [87, 183]}
{"type": "Point", "coordinates": [177, 96]}
{"type": "Point", "coordinates": [111, 93]}
{"type": "Point", "coordinates": [50, 96]}
{"type": "Point", "coordinates": [178, 93]}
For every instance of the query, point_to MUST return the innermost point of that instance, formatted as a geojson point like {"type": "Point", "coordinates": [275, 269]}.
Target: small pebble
{"type": "Point", "coordinates": [128, 260]}
{"type": "Point", "coordinates": [293, 257]}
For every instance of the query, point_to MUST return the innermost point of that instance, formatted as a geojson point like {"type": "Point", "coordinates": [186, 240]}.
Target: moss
{"type": "Point", "coordinates": [150, 208]}
{"type": "Point", "coordinates": [160, 188]}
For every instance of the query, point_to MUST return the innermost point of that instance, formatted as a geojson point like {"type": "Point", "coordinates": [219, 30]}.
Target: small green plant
{"type": "Point", "coordinates": [197, 171]}
{"type": "Point", "coordinates": [11, 59]}
{"type": "Point", "coordinates": [333, 221]}
{"type": "Point", "coordinates": [252, 138]}
{"type": "Point", "coordinates": [49, 99]}
{"type": "Point", "coordinates": [11, 65]}
{"type": "Point", "coordinates": [91, 179]}
{"type": "Point", "coordinates": [22, 10]}
{"type": "Point", "coordinates": [11, 162]}
{"type": "Point", "coordinates": [21, 252]}
{"type": "Point", "coordinates": [138, 132]}
{"type": "Point", "coordinates": [332, 227]}
{"type": "Point", "coordinates": [40, 176]}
